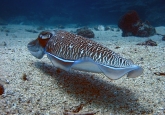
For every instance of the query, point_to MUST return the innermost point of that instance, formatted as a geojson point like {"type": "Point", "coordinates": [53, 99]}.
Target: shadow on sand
{"type": "Point", "coordinates": [95, 91]}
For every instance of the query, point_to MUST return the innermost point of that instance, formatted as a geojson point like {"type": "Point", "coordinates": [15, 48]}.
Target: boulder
{"type": "Point", "coordinates": [85, 32]}
{"type": "Point", "coordinates": [131, 25]}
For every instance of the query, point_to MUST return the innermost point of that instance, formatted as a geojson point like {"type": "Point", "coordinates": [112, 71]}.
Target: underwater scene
{"type": "Point", "coordinates": [82, 57]}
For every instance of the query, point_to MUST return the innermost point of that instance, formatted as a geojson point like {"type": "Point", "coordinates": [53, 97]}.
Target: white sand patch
{"type": "Point", "coordinates": [160, 30]}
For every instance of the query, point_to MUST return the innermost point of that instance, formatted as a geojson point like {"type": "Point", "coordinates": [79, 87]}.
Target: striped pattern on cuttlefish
{"type": "Point", "coordinates": [69, 51]}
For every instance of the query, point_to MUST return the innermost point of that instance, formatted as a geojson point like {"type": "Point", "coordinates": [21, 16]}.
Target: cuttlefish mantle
{"type": "Point", "coordinates": [69, 51]}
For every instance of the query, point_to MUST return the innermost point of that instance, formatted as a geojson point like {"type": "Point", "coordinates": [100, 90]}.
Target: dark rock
{"type": "Point", "coordinates": [1, 89]}
{"type": "Point", "coordinates": [148, 43]}
{"type": "Point", "coordinates": [6, 30]}
{"type": "Point", "coordinates": [117, 47]}
{"type": "Point", "coordinates": [3, 44]}
{"type": "Point", "coordinates": [127, 22]}
{"type": "Point", "coordinates": [40, 28]}
{"type": "Point", "coordinates": [107, 28]}
{"type": "Point", "coordinates": [131, 25]}
{"type": "Point", "coordinates": [163, 38]}
{"type": "Point", "coordinates": [29, 30]}
{"type": "Point", "coordinates": [96, 28]}
{"type": "Point", "coordinates": [101, 28]}
{"type": "Point", "coordinates": [2, 22]}
{"type": "Point", "coordinates": [145, 30]}
{"type": "Point", "coordinates": [85, 32]}
{"type": "Point", "coordinates": [117, 30]}
{"type": "Point", "coordinates": [24, 77]}
{"type": "Point", "coordinates": [112, 29]}
{"type": "Point", "coordinates": [60, 27]}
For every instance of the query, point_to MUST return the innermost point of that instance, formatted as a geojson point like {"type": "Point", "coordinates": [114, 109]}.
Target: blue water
{"type": "Point", "coordinates": [82, 12]}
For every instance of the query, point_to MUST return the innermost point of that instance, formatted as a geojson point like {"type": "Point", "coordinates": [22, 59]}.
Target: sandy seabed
{"type": "Point", "coordinates": [35, 87]}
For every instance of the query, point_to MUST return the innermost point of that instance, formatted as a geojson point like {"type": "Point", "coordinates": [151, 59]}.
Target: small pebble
{"type": "Point", "coordinates": [112, 29]}
{"type": "Point", "coordinates": [30, 30]}
{"type": "Point", "coordinates": [107, 28]}
{"type": "Point", "coordinates": [7, 30]}
{"type": "Point", "coordinates": [117, 47]}
{"type": "Point", "coordinates": [14, 36]}
{"type": "Point", "coordinates": [163, 38]}
{"type": "Point", "coordinates": [24, 77]}
{"type": "Point", "coordinates": [41, 28]}
{"type": "Point", "coordinates": [60, 27]}
{"type": "Point", "coordinates": [1, 89]}
{"type": "Point", "coordinates": [85, 32]}
{"type": "Point", "coordinates": [148, 43]}
{"type": "Point", "coordinates": [3, 44]}
{"type": "Point", "coordinates": [118, 30]}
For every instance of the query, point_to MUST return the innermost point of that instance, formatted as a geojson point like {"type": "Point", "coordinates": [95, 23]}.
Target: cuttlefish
{"type": "Point", "coordinates": [70, 51]}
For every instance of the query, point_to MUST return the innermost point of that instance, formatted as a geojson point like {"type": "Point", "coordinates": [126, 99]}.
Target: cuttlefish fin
{"type": "Point", "coordinates": [82, 64]}
{"type": "Point", "coordinates": [86, 64]}
{"type": "Point", "coordinates": [59, 62]}
{"type": "Point", "coordinates": [136, 72]}
{"type": "Point", "coordinates": [118, 72]}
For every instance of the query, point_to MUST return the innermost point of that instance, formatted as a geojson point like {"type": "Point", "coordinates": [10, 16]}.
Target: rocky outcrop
{"type": "Point", "coordinates": [131, 25]}
{"type": "Point", "coordinates": [148, 43]}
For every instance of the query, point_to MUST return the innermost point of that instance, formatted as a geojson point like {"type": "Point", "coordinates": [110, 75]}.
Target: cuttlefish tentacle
{"type": "Point", "coordinates": [69, 51]}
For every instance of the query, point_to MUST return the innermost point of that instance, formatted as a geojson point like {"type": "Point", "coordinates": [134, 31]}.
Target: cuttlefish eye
{"type": "Point", "coordinates": [44, 37]}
